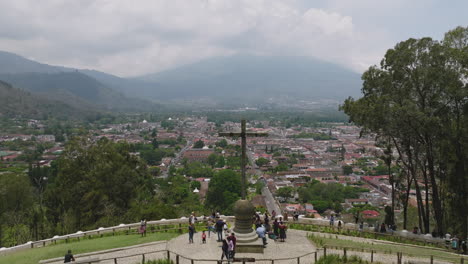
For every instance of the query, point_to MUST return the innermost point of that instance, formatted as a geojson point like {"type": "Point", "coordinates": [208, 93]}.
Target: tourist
{"type": "Point", "coordinates": [261, 234]}
{"type": "Point", "coordinates": [382, 228]}
{"type": "Point", "coordinates": [224, 248]}
{"type": "Point", "coordinates": [276, 227]}
{"type": "Point", "coordinates": [69, 257]}
{"type": "Point", "coordinates": [143, 227]}
{"type": "Point", "coordinates": [219, 229]}
{"type": "Point", "coordinates": [296, 216]}
{"type": "Point", "coordinates": [464, 247]}
{"type": "Point", "coordinates": [192, 218]}
{"type": "Point", "coordinates": [209, 226]}
{"type": "Point", "coordinates": [203, 237]}
{"type": "Point", "coordinates": [191, 232]}
{"type": "Point", "coordinates": [234, 241]}
{"type": "Point", "coordinates": [273, 214]}
{"type": "Point", "coordinates": [266, 219]}
{"type": "Point", "coordinates": [230, 248]}
{"type": "Point", "coordinates": [282, 231]}
{"type": "Point", "coordinates": [332, 220]}
{"type": "Point", "coordinates": [285, 216]}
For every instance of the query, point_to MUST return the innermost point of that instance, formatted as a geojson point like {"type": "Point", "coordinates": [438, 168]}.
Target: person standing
{"type": "Point", "coordinates": [69, 257]}
{"type": "Point", "coordinates": [273, 215]}
{"type": "Point", "coordinates": [282, 231]}
{"type": "Point", "coordinates": [382, 228]}
{"type": "Point", "coordinates": [332, 220]}
{"type": "Point", "coordinates": [261, 234]}
{"type": "Point", "coordinates": [230, 248]}
{"type": "Point", "coordinates": [276, 227]}
{"type": "Point", "coordinates": [143, 227]}
{"type": "Point", "coordinates": [234, 241]}
{"type": "Point", "coordinates": [225, 248]}
{"type": "Point", "coordinates": [219, 229]}
{"type": "Point", "coordinates": [209, 226]}
{"type": "Point", "coordinates": [191, 232]}
{"type": "Point", "coordinates": [203, 237]}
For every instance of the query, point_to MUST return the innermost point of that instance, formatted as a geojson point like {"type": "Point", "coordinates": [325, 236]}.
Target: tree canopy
{"type": "Point", "coordinates": [417, 98]}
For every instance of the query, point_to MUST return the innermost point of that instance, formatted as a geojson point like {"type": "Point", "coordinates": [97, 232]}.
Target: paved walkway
{"type": "Point", "coordinates": [296, 245]}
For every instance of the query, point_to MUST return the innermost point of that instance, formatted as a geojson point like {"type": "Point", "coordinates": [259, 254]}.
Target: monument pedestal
{"type": "Point", "coordinates": [249, 243]}
{"type": "Point", "coordinates": [247, 239]}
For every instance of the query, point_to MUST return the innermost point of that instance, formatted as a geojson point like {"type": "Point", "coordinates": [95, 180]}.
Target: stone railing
{"type": "Point", "coordinates": [127, 228]}
{"type": "Point", "coordinates": [427, 238]}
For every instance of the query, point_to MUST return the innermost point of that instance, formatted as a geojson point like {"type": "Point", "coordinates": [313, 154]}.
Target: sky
{"type": "Point", "coordinates": [136, 37]}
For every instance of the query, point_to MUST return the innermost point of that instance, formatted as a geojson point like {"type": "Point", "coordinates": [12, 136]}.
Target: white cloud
{"type": "Point", "coordinates": [128, 37]}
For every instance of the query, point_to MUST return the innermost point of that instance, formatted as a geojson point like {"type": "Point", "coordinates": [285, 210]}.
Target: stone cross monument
{"type": "Point", "coordinates": [247, 240]}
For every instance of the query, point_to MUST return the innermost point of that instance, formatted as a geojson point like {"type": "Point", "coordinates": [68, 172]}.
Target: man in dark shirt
{"type": "Point", "coordinates": [219, 229]}
{"type": "Point", "coordinates": [69, 257]}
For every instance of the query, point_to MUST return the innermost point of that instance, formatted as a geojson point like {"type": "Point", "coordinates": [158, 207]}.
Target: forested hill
{"type": "Point", "coordinates": [15, 102]}
{"type": "Point", "coordinates": [76, 89]}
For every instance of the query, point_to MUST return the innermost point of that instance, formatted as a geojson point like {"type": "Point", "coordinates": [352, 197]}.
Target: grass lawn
{"type": "Point", "coordinates": [331, 241]}
{"type": "Point", "coordinates": [32, 256]}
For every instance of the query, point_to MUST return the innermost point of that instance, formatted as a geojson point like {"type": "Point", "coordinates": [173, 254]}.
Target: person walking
{"type": "Point", "coordinates": [68, 257]}
{"type": "Point", "coordinates": [191, 232]}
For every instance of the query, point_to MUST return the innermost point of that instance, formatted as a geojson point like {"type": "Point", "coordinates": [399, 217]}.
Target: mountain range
{"type": "Point", "coordinates": [238, 79]}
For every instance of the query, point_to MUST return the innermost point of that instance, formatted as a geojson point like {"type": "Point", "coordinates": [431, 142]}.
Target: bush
{"type": "Point", "coordinates": [336, 259]}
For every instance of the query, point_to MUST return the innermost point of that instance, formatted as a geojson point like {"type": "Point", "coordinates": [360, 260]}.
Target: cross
{"type": "Point", "coordinates": [243, 135]}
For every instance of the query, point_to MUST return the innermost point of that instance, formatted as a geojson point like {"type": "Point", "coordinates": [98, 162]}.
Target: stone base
{"type": "Point", "coordinates": [250, 247]}
{"type": "Point", "coordinates": [249, 243]}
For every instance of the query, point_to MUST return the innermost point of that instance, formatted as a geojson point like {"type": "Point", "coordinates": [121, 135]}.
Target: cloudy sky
{"type": "Point", "coordinates": [133, 37]}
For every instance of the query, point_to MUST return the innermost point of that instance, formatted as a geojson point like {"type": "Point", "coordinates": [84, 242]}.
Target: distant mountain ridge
{"type": "Point", "coordinates": [233, 79]}
{"type": "Point", "coordinates": [68, 85]}
{"type": "Point", "coordinates": [249, 76]}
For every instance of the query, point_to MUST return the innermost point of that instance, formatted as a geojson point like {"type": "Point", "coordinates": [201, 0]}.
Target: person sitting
{"type": "Point", "coordinates": [69, 257]}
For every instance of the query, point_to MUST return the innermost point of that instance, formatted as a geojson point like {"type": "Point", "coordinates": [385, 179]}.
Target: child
{"type": "Point", "coordinates": [203, 237]}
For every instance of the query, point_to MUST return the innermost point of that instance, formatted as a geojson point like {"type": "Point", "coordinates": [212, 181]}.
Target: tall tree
{"type": "Point", "coordinates": [417, 98]}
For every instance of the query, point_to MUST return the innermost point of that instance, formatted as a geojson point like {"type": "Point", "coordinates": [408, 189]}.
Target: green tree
{"type": "Point", "coordinates": [199, 144]}
{"type": "Point", "coordinates": [212, 159]}
{"type": "Point", "coordinates": [347, 170]}
{"type": "Point", "coordinates": [262, 162]}
{"type": "Point", "coordinates": [223, 191]}
{"type": "Point", "coordinates": [285, 192]}
{"type": "Point", "coordinates": [222, 143]}
{"type": "Point", "coordinates": [417, 99]}
{"type": "Point", "coordinates": [220, 163]}
{"type": "Point", "coordinates": [16, 204]}
{"type": "Point", "coordinates": [96, 184]}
